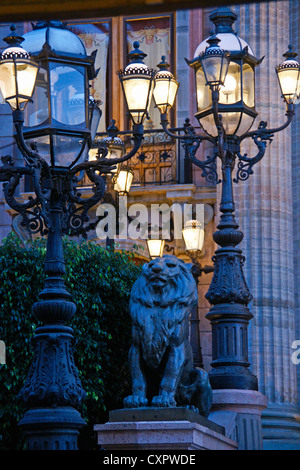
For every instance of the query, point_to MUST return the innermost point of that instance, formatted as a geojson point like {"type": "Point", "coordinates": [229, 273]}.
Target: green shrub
{"type": "Point", "coordinates": [100, 282]}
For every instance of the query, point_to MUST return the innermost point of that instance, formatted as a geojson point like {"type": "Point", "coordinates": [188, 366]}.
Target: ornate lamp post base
{"type": "Point", "coordinates": [52, 390]}
{"type": "Point", "coordinates": [52, 428]}
{"type": "Point", "coordinates": [229, 331]}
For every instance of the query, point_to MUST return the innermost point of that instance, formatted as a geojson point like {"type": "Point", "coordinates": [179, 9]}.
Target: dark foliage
{"type": "Point", "coordinates": [100, 282]}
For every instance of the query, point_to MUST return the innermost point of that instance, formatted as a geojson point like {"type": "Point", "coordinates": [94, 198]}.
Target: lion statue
{"type": "Point", "coordinates": [160, 357]}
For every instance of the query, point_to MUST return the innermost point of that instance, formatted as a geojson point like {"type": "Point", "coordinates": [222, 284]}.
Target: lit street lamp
{"type": "Point", "coordinates": [155, 247]}
{"type": "Point", "coordinates": [18, 73]}
{"type": "Point", "coordinates": [137, 81]}
{"type": "Point", "coordinates": [224, 66]}
{"type": "Point", "coordinates": [51, 94]}
{"type": "Point", "coordinates": [166, 87]}
{"type": "Point", "coordinates": [193, 235]}
{"type": "Point", "coordinates": [123, 181]}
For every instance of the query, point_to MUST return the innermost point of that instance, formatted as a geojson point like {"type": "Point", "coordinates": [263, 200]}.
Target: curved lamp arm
{"type": "Point", "coordinates": [76, 213]}
{"type": "Point", "coordinates": [218, 123]}
{"type": "Point", "coordinates": [189, 131]}
{"type": "Point", "coordinates": [35, 210]}
{"type": "Point", "coordinates": [260, 137]}
{"type": "Point", "coordinates": [30, 155]}
{"type": "Point", "coordinates": [104, 164]}
{"type": "Point", "coordinates": [245, 163]}
{"type": "Point", "coordinates": [76, 217]}
{"type": "Point", "coordinates": [262, 129]}
{"type": "Point", "coordinates": [191, 142]}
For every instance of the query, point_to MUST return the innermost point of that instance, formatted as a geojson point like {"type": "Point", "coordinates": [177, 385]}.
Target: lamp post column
{"type": "Point", "coordinates": [52, 389]}
{"type": "Point", "coordinates": [229, 296]}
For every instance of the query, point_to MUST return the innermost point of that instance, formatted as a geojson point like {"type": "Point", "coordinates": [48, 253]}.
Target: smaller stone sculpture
{"type": "Point", "coordinates": [160, 357]}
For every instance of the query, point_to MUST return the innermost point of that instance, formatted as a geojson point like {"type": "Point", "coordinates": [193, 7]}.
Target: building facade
{"type": "Point", "coordinates": [267, 204]}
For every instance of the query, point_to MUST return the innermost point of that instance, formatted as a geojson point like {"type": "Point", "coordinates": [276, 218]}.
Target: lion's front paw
{"type": "Point", "coordinates": [164, 400]}
{"type": "Point", "coordinates": [135, 401]}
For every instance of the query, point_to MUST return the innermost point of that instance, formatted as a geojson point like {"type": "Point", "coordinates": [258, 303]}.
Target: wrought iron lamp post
{"type": "Point", "coordinates": [54, 145]}
{"type": "Point", "coordinates": [225, 86]}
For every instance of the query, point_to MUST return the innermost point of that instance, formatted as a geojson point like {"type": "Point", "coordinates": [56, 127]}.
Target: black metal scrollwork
{"type": "Point", "coordinates": [191, 144]}
{"type": "Point", "coordinates": [75, 219]}
{"type": "Point", "coordinates": [35, 211]}
{"type": "Point", "coordinates": [245, 164]}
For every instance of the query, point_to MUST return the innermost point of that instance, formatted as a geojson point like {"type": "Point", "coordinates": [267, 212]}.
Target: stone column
{"type": "Point", "coordinates": [295, 39]}
{"type": "Point", "coordinates": [264, 210]}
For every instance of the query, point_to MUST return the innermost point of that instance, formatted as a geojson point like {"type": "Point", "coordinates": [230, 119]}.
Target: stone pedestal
{"type": "Point", "coordinates": [239, 412]}
{"type": "Point", "coordinates": [161, 429]}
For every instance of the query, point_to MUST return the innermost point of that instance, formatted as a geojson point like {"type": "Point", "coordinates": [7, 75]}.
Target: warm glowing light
{"type": "Point", "coordinates": [288, 73]}
{"type": "Point", "coordinates": [17, 80]}
{"type": "Point", "coordinates": [124, 181]}
{"type": "Point", "coordinates": [193, 235]}
{"type": "Point", "coordinates": [229, 85]}
{"type": "Point", "coordinates": [155, 248]}
{"type": "Point", "coordinates": [137, 82]}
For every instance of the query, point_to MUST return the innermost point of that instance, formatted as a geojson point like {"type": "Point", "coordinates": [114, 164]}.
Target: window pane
{"type": "Point", "coordinates": [203, 92]}
{"type": "Point", "coordinates": [154, 36]}
{"type": "Point", "coordinates": [231, 121]}
{"type": "Point", "coordinates": [231, 91]}
{"type": "Point", "coordinates": [248, 85]}
{"type": "Point", "coordinates": [95, 36]}
{"type": "Point", "coordinates": [67, 86]}
{"type": "Point", "coordinates": [66, 149]}
{"type": "Point", "coordinates": [43, 147]}
{"type": "Point", "coordinates": [245, 124]}
{"type": "Point", "coordinates": [36, 111]}
{"type": "Point", "coordinates": [209, 125]}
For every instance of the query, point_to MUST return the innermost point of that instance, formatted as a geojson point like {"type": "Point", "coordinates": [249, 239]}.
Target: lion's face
{"type": "Point", "coordinates": [164, 281]}
{"type": "Point", "coordinates": [163, 272]}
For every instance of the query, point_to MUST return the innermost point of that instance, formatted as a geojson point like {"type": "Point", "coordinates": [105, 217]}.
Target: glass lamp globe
{"type": "Point", "coordinates": [58, 120]}
{"type": "Point", "coordinates": [237, 92]}
{"type": "Point", "coordinates": [193, 235]}
{"type": "Point", "coordinates": [288, 73]}
{"type": "Point", "coordinates": [214, 62]}
{"type": "Point", "coordinates": [123, 182]}
{"type": "Point", "coordinates": [18, 72]}
{"type": "Point", "coordinates": [137, 81]}
{"type": "Point", "coordinates": [165, 88]}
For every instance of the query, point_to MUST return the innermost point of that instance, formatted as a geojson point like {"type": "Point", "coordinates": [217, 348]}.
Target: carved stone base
{"type": "Point", "coordinates": [239, 411]}
{"type": "Point", "coordinates": [52, 428]}
{"type": "Point", "coordinates": [162, 429]}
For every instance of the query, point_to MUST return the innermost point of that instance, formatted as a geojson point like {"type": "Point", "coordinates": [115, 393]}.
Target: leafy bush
{"type": "Point", "coordinates": [100, 282]}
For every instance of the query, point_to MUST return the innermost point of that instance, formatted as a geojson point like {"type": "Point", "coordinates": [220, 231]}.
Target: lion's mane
{"type": "Point", "coordinates": [155, 313]}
